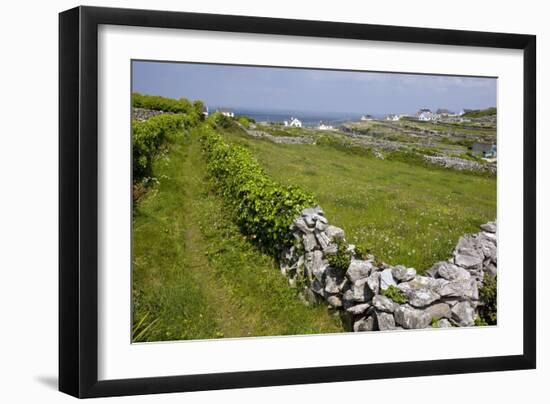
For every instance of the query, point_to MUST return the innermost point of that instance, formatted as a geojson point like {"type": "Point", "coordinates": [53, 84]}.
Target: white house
{"type": "Point", "coordinates": [205, 111]}
{"type": "Point", "coordinates": [322, 126]}
{"type": "Point", "coordinates": [226, 112]}
{"type": "Point", "coordinates": [392, 117]}
{"type": "Point", "coordinates": [425, 115]}
{"type": "Point", "coordinates": [295, 122]}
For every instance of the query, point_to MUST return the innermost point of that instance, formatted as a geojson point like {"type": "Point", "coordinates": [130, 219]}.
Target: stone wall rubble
{"type": "Point", "coordinates": [446, 295]}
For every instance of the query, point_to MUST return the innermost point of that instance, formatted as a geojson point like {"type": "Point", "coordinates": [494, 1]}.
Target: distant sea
{"type": "Point", "coordinates": [307, 118]}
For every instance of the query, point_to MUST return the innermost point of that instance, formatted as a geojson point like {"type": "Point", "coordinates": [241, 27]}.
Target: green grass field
{"type": "Point", "coordinates": [194, 275]}
{"type": "Point", "coordinates": [404, 213]}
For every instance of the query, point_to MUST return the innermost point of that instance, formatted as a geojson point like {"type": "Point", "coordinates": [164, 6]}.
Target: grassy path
{"type": "Point", "coordinates": [195, 276]}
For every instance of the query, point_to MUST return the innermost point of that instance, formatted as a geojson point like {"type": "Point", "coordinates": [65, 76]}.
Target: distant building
{"type": "Point", "coordinates": [227, 112]}
{"type": "Point", "coordinates": [424, 115]}
{"type": "Point", "coordinates": [294, 122]}
{"type": "Point", "coordinates": [485, 150]}
{"type": "Point", "coordinates": [205, 111]}
{"type": "Point", "coordinates": [444, 111]}
{"type": "Point", "coordinates": [392, 117]}
{"type": "Point", "coordinates": [367, 118]}
{"type": "Point", "coordinates": [322, 126]}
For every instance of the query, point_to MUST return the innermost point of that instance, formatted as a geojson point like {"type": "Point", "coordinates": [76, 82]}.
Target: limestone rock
{"type": "Point", "coordinates": [384, 321]}
{"type": "Point", "coordinates": [320, 226]}
{"type": "Point", "coordinates": [300, 224]}
{"type": "Point", "coordinates": [347, 298]}
{"type": "Point", "coordinates": [443, 323]}
{"type": "Point", "coordinates": [317, 287]}
{"type": "Point", "coordinates": [468, 258]}
{"type": "Point", "coordinates": [373, 282]}
{"type": "Point", "coordinates": [333, 280]}
{"type": "Point", "coordinates": [310, 243]}
{"type": "Point", "coordinates": [386, 279]}
{"type": "Point", "coordinates": [358, 308]}
{"type": "Point", "coordinates": [421, 297]}
{"type": "Point", "coordinates": [419, 283]}
{"type": "Point", "coordinates": [313, 211]}
{"type": "Point", "coordinates": [383, 303]}
{"type": "Point", "coordinates": [463, 313]}
{"type": "Point", "coordinates": [403, 274]}
{"type": "Point", "coordinates": [315, 265]}
{"type": "Point", "coordinates": [322, 239]}
{"type": "Point", "coordinates": [334, 232]}
{"type": "Point", "coordinates": [331, 249]}
{"type": "Point", "coordinates": [364, 324]}
{"type": "Point", "coordinates": [358, 269]}
{"type": "Point", "coordinates": [361, 291]}
{"type": "Point", "coordinates": [334, 301]}
{"type": "Point", "coordinates": [491, 269]}
{"type": "Point", "coordinates": [490, 227]}
{"type": "Point", "coordinates": [465, 289]}
{"type": "Point", "coordinates": [438, 311]}
{"type": "Point", "coordinates": [452, 272]}
{"type": "Point", "coordinates": [410, 318]}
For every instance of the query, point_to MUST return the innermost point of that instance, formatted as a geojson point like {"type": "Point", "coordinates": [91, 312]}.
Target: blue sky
{"type": "Point", "coordinates": [324, 91]}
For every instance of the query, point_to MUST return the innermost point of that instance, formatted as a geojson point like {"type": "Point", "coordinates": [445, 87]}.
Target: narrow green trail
{"type": "Point", "coordinates": [195, 275]}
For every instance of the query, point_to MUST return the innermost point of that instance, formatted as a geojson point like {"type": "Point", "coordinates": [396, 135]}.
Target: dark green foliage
{"type": "Point", "coordinates": [480, 113]}
{"type": "Point", "coordinates": [488, 295]}
{"type": "Point", "coordinates": [264, 209]}
{"type": "Point", "coordinates": [222, 122]}
{"type": "Point", "coordinates": [342, 258]}
{"type": "Point", "coordinates": [245, 120]}
{"type": "Point", "coordinates": [156, 102]}
{"type": "Point", "coordinates": [149, 136]}
{"type": "Point", "coordinates": [395, 294]}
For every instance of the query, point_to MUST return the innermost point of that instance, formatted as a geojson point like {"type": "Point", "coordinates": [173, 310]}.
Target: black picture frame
{"type": "Point", "coordinates": [78, 201]}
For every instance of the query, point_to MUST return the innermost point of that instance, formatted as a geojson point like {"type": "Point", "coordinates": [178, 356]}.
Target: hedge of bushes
{"type": "Point", "coordinates": [158, 103]}
{"type": "Point", "coordinates": [264, 209]}
{"type": "Point", "coordinates": [148, 137]}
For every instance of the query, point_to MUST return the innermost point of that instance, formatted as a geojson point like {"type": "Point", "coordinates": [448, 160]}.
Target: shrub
{"type": "Point", "coordinates": [263, 208]}
{"type": "Point", "coordinates": [221, 121]}
{"type": "Point", "coordinates": [245, 121]}
{"type": "Point", "coordinates": [342, 258]}
{"type": "Point", "coordinates": [156, 102]}
{"type": "Point", "coordinates": [395, 294]}
{"type": "Point", "coordinates": [478, 113]}
{"type": "Point", "coordinates": [488, 296]}
{"type": "Point", "coordinates": [148, 137]}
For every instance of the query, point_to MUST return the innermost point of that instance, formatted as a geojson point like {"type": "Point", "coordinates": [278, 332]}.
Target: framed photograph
{"type": "Point", "coordinates": [251, 201]}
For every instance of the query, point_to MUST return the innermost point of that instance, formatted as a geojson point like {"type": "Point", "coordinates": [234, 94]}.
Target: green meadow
{"type": "Point", "coordinates": [403, 212]}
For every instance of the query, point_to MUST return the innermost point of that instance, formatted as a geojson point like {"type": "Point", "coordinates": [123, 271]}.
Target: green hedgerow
{"type": "Point", "coordinates": [158, 103]}
{"type": "Point", "coordinates": [395, 294]}
{"type": "Point", "coordinates": [264, 209]}
{"type": "Point", "coordinates": [148, 137]}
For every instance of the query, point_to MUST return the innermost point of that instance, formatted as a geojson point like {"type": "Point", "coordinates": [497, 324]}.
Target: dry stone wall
{"type": "Point", "coordinates": [446, 295]}
{"type": "Point", "coordinates": [142, 114]}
